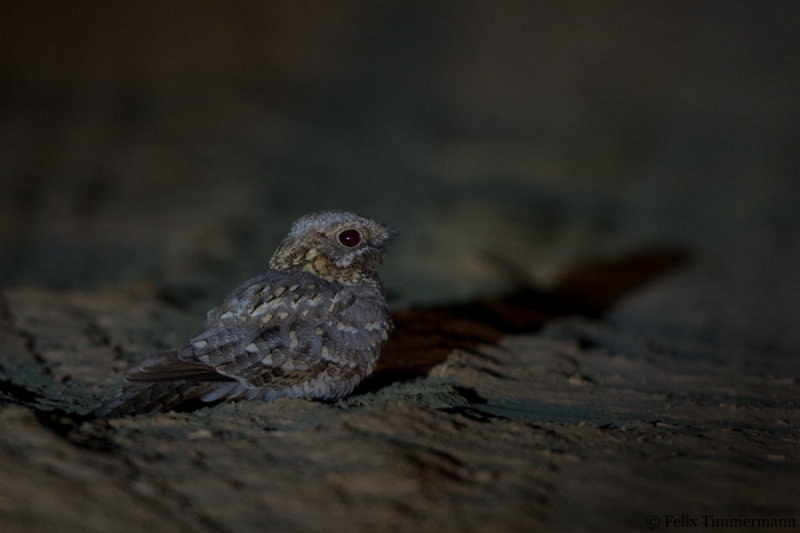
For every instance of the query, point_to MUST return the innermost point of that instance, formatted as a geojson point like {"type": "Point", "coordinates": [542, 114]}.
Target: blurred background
{"type": "Point", "coordinates": [177, 141]}
{"type": "Point", "coordinates": [153, 155]}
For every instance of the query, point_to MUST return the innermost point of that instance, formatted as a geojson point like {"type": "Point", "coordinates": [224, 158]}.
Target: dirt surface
{"type": "Point", "coordinates": [595, 293]}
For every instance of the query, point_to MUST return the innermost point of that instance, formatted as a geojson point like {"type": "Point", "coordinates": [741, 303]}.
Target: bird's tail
{"type": "Point", "coordinates": [152, 397]}
{"type": "Point", "coordinates": [164, 381]}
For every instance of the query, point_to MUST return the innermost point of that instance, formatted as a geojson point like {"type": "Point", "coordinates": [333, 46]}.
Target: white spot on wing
{"type": "Point", "coordinates": [347, 328]}
{"type": "Point", "coordinates": [334, 301]}
{"type": "Point", "coordinates": [261, 308]}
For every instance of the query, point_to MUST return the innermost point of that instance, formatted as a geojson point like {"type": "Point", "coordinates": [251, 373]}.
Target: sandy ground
{"type": "Point", "coordinates": [595, 291]}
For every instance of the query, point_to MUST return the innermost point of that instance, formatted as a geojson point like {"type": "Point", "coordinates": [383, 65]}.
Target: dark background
{"type": "Point", "coordinates": [595, 289]}
{"type": "Point", "coordinates": [176, 142]}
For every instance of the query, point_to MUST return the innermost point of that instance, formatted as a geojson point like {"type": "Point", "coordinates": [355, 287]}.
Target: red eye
{"type": "Point", "coordinates": [350, 238]}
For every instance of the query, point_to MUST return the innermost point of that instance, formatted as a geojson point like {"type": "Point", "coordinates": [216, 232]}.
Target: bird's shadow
{"type": "Point", "coordinates": [424, 337]}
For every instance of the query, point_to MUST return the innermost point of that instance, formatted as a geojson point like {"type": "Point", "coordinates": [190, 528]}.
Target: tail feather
{"type": "Point", "coordinates": [164, 381]}
{"type": "Point", "coordinates": [144, 397]}
{"type": "Point", "coordinates": [222, 390]}
{"type": "Point", "coordinates": [168, 366]}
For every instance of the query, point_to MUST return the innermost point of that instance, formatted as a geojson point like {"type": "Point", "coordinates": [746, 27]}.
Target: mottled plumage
{"type": "Point", "coordinates": [310, 326]}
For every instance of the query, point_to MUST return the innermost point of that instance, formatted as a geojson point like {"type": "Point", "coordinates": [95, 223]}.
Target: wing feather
{"type": "Point", "coordinates": [167, 366]}
{"type": "Point", "coordinates": [273, 332]}
{"type": "Point", "coordinates": [265, 333]}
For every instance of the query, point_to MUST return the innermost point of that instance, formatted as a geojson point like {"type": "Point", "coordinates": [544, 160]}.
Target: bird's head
{"type": "Point", "coordinates": [335, 245]}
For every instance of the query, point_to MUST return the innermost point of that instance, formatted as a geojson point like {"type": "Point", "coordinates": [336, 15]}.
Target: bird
{"type": "Point", "coordinates": [310, 326]}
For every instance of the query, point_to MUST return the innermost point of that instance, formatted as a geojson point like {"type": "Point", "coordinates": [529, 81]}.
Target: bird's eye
{"type": "Point", "coordinates": [350, 238]}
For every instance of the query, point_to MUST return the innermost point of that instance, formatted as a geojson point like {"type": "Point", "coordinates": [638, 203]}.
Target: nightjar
{"type": "Point", "coordinates": [310, 326]}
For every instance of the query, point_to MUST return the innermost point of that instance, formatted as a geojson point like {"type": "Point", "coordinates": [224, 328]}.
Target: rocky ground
{"type": "Point", "coordinates": [595, 292]}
